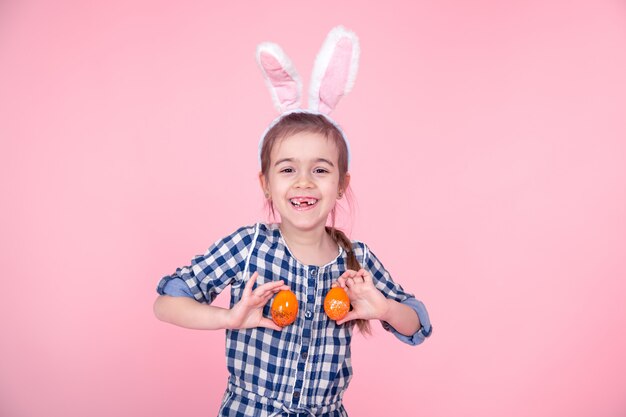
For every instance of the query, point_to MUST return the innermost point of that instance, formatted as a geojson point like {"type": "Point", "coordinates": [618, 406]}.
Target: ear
{"type": "Point", "coordinates": [280, 76]}
{"type": "Point", "coordinates": [343, 187]}
{"type": "Point", "coordinates": [335, 70]}
{"type": "Point", "coordinates": [263, 183]}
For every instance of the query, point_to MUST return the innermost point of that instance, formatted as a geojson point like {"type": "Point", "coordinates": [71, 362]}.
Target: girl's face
{"type": "Point", "coordinates": [303, 179]}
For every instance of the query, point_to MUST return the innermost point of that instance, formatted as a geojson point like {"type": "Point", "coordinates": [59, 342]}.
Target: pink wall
{"type": "Point", "coordinates": [490, 178]}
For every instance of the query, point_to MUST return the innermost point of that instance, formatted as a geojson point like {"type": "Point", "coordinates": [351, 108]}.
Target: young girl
{"type": "Point", "coordinates": [303, 368]}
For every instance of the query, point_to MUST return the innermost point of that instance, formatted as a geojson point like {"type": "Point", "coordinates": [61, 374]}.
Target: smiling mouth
{"type": "Point", "coordinates": [302, 202]}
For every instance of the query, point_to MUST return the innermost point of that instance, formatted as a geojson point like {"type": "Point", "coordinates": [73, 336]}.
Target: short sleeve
{"type": "Point", "coordinates": [385, 284]}
{"type": "Point", "coordinates": [211, 273]}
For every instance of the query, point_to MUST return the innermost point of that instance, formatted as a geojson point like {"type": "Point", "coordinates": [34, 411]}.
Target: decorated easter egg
{"type": "Point", "coordinates": [284, 308]}
{"type": "Point", "coordinates": [336, 303]}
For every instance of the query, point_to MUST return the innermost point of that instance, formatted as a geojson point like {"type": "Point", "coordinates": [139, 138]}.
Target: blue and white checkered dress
{"type": "Point", "coordinates": [305, 368]}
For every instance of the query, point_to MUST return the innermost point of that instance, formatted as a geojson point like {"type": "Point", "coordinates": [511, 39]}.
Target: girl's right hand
{"type": "Point", "coordinates": [248, 312]}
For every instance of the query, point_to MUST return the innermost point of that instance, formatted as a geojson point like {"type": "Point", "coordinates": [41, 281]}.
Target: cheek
{"type": "Point", "coordinates": [331, 187]}
{"type": "Point", "coordinates": [277, 186]}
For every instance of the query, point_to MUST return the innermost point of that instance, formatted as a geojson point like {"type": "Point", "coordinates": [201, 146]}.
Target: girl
{"type": "Point", "coordinates": [303, 368]}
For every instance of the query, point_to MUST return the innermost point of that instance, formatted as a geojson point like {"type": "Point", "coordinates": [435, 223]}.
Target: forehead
{"type": "Point", "coordinates": [305, 145]}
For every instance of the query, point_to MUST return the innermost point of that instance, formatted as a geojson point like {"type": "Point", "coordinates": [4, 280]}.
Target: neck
{"type": "Point", "coordinates": [311, 247]}
{"type": "Point", "coordinates": [314, 238]}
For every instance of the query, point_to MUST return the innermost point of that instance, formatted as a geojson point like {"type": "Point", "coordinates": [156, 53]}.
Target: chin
{"type": "Point", "coordinates": [305, 225]}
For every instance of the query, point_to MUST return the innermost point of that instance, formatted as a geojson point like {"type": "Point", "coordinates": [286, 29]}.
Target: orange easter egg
{"type": "Point", "coordinates": [284, 308]}
{"type": "Point", "coordinates": [336, 303]}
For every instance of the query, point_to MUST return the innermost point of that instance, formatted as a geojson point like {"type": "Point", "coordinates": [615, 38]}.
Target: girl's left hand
{"type": "Point", "coordinates": [367, 302]}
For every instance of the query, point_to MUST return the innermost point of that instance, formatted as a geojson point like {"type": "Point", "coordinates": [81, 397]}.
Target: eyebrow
{"type": "Point", "coordinates": [324, 160]}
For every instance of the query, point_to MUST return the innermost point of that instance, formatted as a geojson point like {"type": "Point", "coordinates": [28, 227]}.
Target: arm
{"type": "Point", "coordinates": [370, 303]}
{"type": "Point", "coordinates": [187, 312]}
{"type": "Point", "coordinates": [247, 313]}
{"type": "Point", "coordinates": [401, 317]}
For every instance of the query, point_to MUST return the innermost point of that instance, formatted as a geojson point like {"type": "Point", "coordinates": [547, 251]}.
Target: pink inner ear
{"type": "Point", "coordinates": [333, 85]}
{"type": "Point", "coordinates": [285, 86]}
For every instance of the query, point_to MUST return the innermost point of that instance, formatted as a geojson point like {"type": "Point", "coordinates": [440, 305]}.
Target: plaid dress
{"type": "Point", "coordinates": [305, 368]}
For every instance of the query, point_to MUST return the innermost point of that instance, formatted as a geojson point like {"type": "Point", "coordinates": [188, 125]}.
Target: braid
{"type": "Point", "coordinates": [352, 263]}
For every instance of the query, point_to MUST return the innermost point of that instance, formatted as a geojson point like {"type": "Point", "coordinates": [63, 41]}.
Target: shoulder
{"type": "Point", "coordinates": [360, 249]}
{"type": "Point", "coordinates": [244, 233]}
{"type": "Point", "coordinates": [235, 241]}
{"type": "Point", "coordinates": [249, 235]}
{"type": "Point", "coordinates": [267, 232]}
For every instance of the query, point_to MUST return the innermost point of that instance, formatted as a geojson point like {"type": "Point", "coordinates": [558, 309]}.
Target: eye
{"type": "Point", "coordinates": [287, 170]}
{"type": "Point", "coordinates": [320, 171]}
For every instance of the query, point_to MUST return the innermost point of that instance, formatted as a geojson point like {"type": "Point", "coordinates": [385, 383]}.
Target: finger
{"type": "Point", "coordinates": [350, 282]}
{"type": "Point", "coordinates": [348, 274]}
{"type": "Point", "coordinates": [358, 278]}
{"type": "Point", "coordinates": [367, 277]}
{"type": "Point", "coordinates": [266, 297]}
{"type": "Point", "coordinates": [271, 287]}
{"type": "Point", "coordinates": [350, 316]}
{"type": "Point", "coordinates": [272, 292]}
{"type": "Point", "coordinates": [262, 299]}
{"type": "Point", "coordinates": [247, 290]}
{"type": "Point", "coordinates": [341, 281]}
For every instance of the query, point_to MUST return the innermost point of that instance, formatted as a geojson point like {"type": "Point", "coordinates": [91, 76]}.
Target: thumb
{"type": "Point", "coordinates": [350, 316]}
{"type": "Point", "coordinates": [265, 322]}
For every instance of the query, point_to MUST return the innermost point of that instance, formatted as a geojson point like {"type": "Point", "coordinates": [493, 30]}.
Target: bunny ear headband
{"type": "Point", "coordinates": [333, 76]}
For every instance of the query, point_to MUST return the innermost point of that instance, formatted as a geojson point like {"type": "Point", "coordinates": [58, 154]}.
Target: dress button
{"type": "Point", "coordinates": [304, 355]}
{"type": "Point", "coordinates": [308, 314]}
{"type": "Point", "coordinates": [313, 272]}
{"type": "Point", "coordinates": [296, 395]}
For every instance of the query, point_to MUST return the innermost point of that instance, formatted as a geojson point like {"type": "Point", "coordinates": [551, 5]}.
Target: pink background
{"type": "Point", "coordinates": [489, 170]}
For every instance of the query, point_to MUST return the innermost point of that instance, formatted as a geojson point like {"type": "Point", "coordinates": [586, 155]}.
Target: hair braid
{"type": "Point", "coordinates": [342, 240]}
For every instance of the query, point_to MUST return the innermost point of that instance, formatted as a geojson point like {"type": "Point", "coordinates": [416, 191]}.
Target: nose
{"type": "Point", "coordinates": [303, 180]}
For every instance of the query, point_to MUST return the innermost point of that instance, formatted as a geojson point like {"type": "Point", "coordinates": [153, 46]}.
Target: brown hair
{"type": "Point", "coordinates": [299, 122]}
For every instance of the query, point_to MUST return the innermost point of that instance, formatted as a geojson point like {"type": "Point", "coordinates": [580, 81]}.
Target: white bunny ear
{"type": "Point", "coordinates": [335, 70]}
{"type": "Point", "coordinates": [281, 77]}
